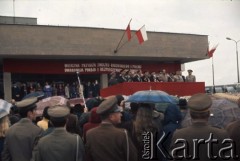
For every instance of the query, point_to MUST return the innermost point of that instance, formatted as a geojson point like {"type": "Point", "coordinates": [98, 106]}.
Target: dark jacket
{"type": "Point", "coordinates": [172, 121]}
{"type": "Point", "coordinates": [94, 121]}
{"type": "Point", "coordinates": [1, 146]}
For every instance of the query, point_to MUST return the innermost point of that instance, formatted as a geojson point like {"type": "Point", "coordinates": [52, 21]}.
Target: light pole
{"type": "Point", "coordinates": [228, 38]}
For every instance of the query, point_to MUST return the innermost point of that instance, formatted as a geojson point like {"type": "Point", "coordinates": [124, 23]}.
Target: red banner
{"type": "Point", "coordinates": [86, 67]}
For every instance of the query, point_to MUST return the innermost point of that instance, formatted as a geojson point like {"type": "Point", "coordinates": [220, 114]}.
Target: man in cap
{"type": "Point", "coordinates": [190, 77]}
{"type": "Point", "coordinates": [178, 77]}
{"type": "Point", "coordinates": [20, 137]}
{"type": "Point", "coordinates": [199, 141]}
{"type": "Point", "coordinates": [59, 144]}
{"type": "Point", "coordinates": [106, 142]}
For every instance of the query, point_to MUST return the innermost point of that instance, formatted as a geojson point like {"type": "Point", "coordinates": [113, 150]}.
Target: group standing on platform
{"type": "Point", "coordinates": [146, 76]}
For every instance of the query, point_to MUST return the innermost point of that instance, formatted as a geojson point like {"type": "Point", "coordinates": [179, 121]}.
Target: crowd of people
{"type": "Point", "coordinates": [146, 76]}
{"type": "Point", "coordinates": [92, 89]}
{"type": "Point", "coordinates": [67, 90]}
{"type": "Point", "coordinates": [110, 130]}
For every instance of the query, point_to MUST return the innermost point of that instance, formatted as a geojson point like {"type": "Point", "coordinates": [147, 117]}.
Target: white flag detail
{"type": "Point", "coordinates": [142, 35]}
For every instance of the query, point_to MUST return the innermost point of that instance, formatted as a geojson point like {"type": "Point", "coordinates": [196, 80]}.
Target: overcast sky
{"type": "Point", "coordinates": [217, 18]}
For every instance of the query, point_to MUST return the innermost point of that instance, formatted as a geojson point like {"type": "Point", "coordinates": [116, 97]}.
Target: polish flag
{"type": "Point", "coordinates": [142, 35]}
{"type": "Point", "coordinates": [210, 52]}
{"type": "Point", "coordinates": [128, 30]}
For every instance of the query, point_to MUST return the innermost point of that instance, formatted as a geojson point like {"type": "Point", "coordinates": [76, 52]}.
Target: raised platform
{"type": "Point", "coordinates": [172, 88]}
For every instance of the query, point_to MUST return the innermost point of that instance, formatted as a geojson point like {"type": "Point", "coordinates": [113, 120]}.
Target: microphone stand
{"type": "Point", "coordinates": [80, 87]}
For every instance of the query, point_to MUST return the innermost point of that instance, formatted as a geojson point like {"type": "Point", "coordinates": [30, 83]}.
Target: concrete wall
{"type": "Point", "coordinates": [96, 43]}
{"type": "Point", "coordinates": [103, 80]}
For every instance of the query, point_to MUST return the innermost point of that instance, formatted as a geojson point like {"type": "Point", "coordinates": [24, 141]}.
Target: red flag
{"type": "Point", "coordinates": [128, 30]}
{"type": "Point", "coordinates": [142, 35]}
{"type": "Point", "coordinates": [210, 52]}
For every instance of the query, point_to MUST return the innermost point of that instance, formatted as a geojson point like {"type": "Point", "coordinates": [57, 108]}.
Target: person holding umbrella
{"type": "Point", "coordinates": [143, 125]}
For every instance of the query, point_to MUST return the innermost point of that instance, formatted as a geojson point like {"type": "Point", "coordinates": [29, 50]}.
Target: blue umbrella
{"type": "Point", "coordinates": [39, 95]}
{"type": "Point", "coordinates": [151, 96]}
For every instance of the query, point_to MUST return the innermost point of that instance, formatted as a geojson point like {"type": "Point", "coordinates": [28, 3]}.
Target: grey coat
{"type": "Point", "coordinates": [19, 141]}
{"type": "Point", "coordinates": [59, 146]}
{"type": "Point", "coordinates": [200, 131]}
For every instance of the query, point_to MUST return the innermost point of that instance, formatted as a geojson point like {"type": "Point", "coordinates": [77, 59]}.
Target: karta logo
{"type": "Point", "coordinates": [147, 152]}
{"type": "Point", "coordinates": [182, 150]}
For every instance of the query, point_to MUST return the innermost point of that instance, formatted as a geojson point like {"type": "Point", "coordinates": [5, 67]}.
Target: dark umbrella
{"type": "Point", "coordinates": [222, 113]}
{"type": "Point", "coordinates": [151, 96]}
{"type": "Point", "coordinates": [38, 94]}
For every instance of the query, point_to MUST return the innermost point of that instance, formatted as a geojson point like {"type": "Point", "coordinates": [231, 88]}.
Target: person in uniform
{"type": "Point", "coordinates": [122, 76]}
{"type": "Point", "coordinates": [190, 77]}
{"type": "Point", "coordinates": [106, 142]}
{"type": "Point", "coordinates": [145, 77]}
{"type": "Point", "coordinates": [137, 76]}
{"type": "Point", "coordinates": [178, 77]}
{"type": "Point", "coordinates": [59, 144]}
{"type": "Point", "coordinates": [198, 141]}
{"type": "Point", "coordinates": [164, 76]}
{"type": "Point", "coordinates": [20, 138]}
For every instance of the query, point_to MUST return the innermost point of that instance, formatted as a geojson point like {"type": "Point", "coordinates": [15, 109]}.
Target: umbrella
{"type": "Point", "coordinates": [222, 112]}
{"type": "Point", "coordinates": [4, 108]}
{"type": "Point", "coordinates": [34, 94]}
{"type": "Point", "coordinates": [75, 101]}
{"type": "Point", "coordinates": [50, 101]}
{"type": "Point", "coordinates": [151, 96]}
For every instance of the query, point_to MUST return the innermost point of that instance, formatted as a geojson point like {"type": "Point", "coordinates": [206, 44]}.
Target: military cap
{"type": "Point", "coordinates": [109, 106]}
{"type": "Point", "coordinates": [58, 111]}
{"type": "Point", "coordinates": [27, 104]}
{"type": "Point", "coordinates": [200, 102]}
{"type": "Point", "coordinates": [189, 70]}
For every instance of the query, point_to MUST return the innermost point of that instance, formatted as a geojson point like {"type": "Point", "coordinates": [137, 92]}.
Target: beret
{"type": "Point", "coordinates": [200, 102]}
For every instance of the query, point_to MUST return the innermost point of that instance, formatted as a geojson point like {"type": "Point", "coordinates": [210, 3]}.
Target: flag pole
{"type": "Point", "coordinates": [80, 87]}
{"type": "Point", "coordinates": [116, 50]}
{"type": "Point", "coordinates": [213, 76]}
{"type": "Point", "coordinates": [127, 41]}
